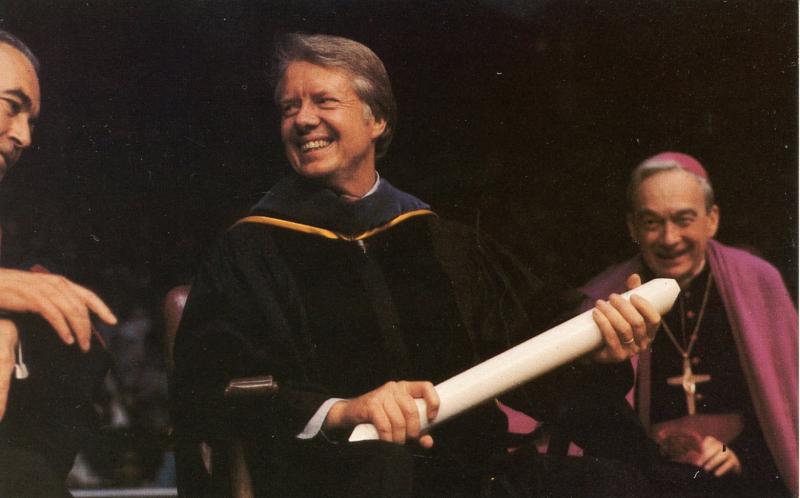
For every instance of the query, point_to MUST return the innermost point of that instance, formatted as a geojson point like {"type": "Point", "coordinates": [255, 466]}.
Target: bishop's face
{"type": "Point", "coordinates": [328, 132]}
{"type": "Point", "coordinates": [671, 224]}
{"type": "Point", "coordinates": [19, 105]}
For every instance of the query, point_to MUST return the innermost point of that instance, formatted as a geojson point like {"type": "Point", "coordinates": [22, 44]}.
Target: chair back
{"type": "Point", "coordinates": [198, 469]}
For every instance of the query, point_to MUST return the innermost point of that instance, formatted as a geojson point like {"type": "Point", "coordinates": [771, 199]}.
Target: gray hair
{"type": "Point", "coordinates": [9, 39]}
{"type": "Point", "coordinates": [370, 80]}
{"type": "Point", "coordinates": [653, 166]}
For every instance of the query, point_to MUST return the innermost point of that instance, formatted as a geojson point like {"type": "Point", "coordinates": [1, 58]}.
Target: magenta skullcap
{"type": "Point", "coordinates": [685, 161]}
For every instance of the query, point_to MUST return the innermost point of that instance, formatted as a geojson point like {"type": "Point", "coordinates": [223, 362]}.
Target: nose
{"type": "Point", "coordinates": [20, 131]}
{"type": "Point", "coordinates": [670, 235]}
{"type": "Point", "coordinates": [306, 117]}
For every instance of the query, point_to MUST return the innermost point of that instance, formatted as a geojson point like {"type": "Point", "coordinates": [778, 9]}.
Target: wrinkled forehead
{"type": "Point", "coordinates": [670, 190]}
{"type": "Point", "coordinates": [301, 75]}
{"type": "Point", "coordinates": [18, 76]}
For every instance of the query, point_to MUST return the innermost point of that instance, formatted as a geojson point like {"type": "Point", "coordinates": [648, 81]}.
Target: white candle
{"type": "Point", "coordinates": [526, 361]}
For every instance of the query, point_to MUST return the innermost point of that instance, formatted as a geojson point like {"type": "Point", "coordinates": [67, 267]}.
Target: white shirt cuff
{"type": "Point", "coordinates": [314, 425]}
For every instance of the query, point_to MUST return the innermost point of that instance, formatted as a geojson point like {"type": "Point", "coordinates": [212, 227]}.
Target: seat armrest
{"type": "Point", "coordinates": [263, 385]}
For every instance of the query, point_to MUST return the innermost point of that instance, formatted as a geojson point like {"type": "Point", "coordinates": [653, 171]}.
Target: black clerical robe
{"type": "Point", "coordinates": [719, 351]}
{"type": "Point", "coordinates": [713, 354]}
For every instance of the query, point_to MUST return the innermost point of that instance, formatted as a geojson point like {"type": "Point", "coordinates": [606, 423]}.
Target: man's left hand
{"type": "Point", "coordinates": [8, 345]}
{"type": "Point", "coordinates": [628, 327]}
{"type": "Point", "coordinates": [718, 458]}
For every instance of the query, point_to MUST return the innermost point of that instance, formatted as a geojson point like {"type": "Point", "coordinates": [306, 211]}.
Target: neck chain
{"type": "Point", "coordinates": [686, 349]}
{"type": "Point", "coordinates": [688, 380]}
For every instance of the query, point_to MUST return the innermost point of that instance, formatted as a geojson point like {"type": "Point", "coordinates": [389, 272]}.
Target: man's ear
{"type": "Point", "coordinates": [631, 228]}
{"type": "Point", "coordinates": [713, 221]}
{"type": "Point", "coordinates": [378, 126]}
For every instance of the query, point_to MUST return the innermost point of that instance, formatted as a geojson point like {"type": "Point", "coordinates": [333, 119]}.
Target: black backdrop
{"type": "Point", "coordinates": [157, 126]}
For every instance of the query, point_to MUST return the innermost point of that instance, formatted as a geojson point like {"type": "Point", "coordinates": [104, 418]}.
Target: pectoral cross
{"type": "Point", "coordinates": [689, 382]}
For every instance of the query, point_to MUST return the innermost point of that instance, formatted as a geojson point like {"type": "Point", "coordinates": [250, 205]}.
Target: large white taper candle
{"type": "Point", "coordinates": [526, 361]}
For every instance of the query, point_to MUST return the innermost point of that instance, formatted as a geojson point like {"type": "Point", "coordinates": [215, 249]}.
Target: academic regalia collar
{"type": "Point", "coordinates": [299, 200]}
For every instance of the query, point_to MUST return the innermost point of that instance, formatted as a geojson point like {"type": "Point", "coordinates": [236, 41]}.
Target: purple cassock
{"type": "Point", "coordinates": [764, 322]}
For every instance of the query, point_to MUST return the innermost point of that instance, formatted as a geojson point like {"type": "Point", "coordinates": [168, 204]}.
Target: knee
{"type": "Point", "coordinates": [379, 455]}
{"type": "Point", "coordinates": [379, 468]}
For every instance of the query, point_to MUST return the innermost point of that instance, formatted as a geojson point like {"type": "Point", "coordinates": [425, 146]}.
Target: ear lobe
{"type": "Point", "coordinates": [631, 228]}
{"type": "Point", "coordinates": [713, 221]}
{"type": "Point", "coordinates": [378, 127]}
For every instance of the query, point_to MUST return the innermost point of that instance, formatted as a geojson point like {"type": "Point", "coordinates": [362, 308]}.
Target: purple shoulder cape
{"type": "Point", "coordinates": [765, 328]}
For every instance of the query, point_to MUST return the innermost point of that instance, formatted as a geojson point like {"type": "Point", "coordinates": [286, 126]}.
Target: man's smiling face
{"type": "Point", "coordinates": [19, 105]}
{"type": "Point", "coordinates": [672, 225]}
{"type": "Point", "coordinates": [328, 132]}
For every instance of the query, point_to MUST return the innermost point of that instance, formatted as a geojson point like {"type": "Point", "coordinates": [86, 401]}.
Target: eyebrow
{"type": "Point", "coordinates": [26, 102]}
{"type": "Point", "coordinates": [317, 94]}
{"type": "Point", "coordinates": [685, 212]}
{"type": "Point", "coordinates": [682, 212]}
{"type": "Point", "coordinates": [22, 96]}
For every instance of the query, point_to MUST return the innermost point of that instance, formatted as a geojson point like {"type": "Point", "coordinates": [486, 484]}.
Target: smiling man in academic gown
{"type": "Point", "coordinates": [357, 299]}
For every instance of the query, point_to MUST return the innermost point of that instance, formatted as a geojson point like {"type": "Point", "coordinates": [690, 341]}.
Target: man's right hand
{"type": "Point", "coordinates": [391, 409]}
{"type": "Point", "coordinates": [64, 304]}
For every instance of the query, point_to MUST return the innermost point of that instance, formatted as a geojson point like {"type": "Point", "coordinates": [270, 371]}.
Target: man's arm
{"type": "Point", "coordinates": [237, 323]}
{"type": "Point", "coordinates": [627, 327]}
{"type": "Point", "coordinates": [64, 304]}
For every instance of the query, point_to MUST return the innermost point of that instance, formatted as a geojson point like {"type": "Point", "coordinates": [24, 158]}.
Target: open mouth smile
{"type": "Point", "coordinates": [313, 145]}
{"type": "Point", "coordinates": [672, 256]}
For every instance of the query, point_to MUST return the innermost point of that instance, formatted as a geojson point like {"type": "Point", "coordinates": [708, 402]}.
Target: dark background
{"type": "Point", "coordinates": [526, 117]}
{"type": "Point", "coordinates": [158, 129]}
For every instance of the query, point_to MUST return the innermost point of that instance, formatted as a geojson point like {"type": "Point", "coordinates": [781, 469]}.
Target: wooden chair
{"type": "Point", "coordinates": [200, 470]}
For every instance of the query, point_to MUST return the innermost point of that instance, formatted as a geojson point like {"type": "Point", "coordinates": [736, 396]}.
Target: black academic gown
{"type": "Point", "coordinates": [334, 300]}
